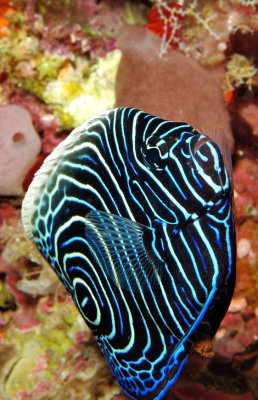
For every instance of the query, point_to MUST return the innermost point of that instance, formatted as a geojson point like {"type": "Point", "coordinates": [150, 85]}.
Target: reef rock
{"type": "Point", "coordinates": [173, 86]}
{"type": "Point", "coordinates": [19, 146]}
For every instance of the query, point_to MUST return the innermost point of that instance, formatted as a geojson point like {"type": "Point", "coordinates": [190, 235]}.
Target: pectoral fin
{"type": "Point", "coordinates": [118, 244]}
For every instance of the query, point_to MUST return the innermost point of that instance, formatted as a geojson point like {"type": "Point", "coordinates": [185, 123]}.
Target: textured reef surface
{"type": "Point", "coordinates": [62, 73]}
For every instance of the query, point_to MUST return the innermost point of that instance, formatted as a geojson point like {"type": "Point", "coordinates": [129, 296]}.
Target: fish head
{"type": "Point", "coordinates": [190, 167]}
{"type": "Point", "coordinates": [199, 222]}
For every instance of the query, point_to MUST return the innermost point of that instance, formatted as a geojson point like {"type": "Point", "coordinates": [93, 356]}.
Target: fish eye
{"type": "Point", "coordinates": [152, 157]}
{"type": "Point", "coordinates": [155, 153]}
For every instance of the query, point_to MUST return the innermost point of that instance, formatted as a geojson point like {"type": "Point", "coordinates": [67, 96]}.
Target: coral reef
{"type": "Point", "coordinates": [200, 28]}
{"type": "Point", "coordinates": [58, 63]}
{"type": "Point", "coordinates": [57, 78]}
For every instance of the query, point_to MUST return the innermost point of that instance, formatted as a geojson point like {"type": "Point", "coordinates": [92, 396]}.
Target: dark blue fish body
{"type": "Point", "coordinates": [134, 215]}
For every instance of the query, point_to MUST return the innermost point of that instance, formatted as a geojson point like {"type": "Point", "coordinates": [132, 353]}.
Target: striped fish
{"type": "Point", "coordinates": [134, 215]}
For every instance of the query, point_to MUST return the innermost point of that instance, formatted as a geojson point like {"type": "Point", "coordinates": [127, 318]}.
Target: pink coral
{"type": "Point", "coordinates": [19, 146]}
{"type": "Point", "coordinates": [98, 20]}
{"type": "Point", "coordinates": [249, 112]}
{"type": "Point", "coordinates": [246, 189]}
{"type": "Point", "coordinates": [43, 118]}
{"type": "Point", "coordinates": [25, 318]}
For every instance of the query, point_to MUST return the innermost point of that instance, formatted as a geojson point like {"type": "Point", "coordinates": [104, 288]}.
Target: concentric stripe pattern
{"type": "Point", "coordinates": [134, 215]}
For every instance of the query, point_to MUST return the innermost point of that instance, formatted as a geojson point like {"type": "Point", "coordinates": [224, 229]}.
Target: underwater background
{"type": "Point", "coordinates": [58, 66]}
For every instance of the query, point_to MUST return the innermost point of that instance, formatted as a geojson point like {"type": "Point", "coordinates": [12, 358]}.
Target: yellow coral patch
{"type": "Point", "coordinates": [75, 97]}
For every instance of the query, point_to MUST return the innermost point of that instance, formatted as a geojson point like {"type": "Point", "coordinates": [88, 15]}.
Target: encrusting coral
{"type": "Point", "coordinates": [240, 71]}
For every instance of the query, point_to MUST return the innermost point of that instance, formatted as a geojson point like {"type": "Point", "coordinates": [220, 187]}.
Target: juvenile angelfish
{"type": "Point", "coordinates": [134, 215]}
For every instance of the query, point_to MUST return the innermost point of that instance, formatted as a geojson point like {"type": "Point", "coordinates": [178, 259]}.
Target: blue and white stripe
{"type": "Point", "coordinates": [134, 215]}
